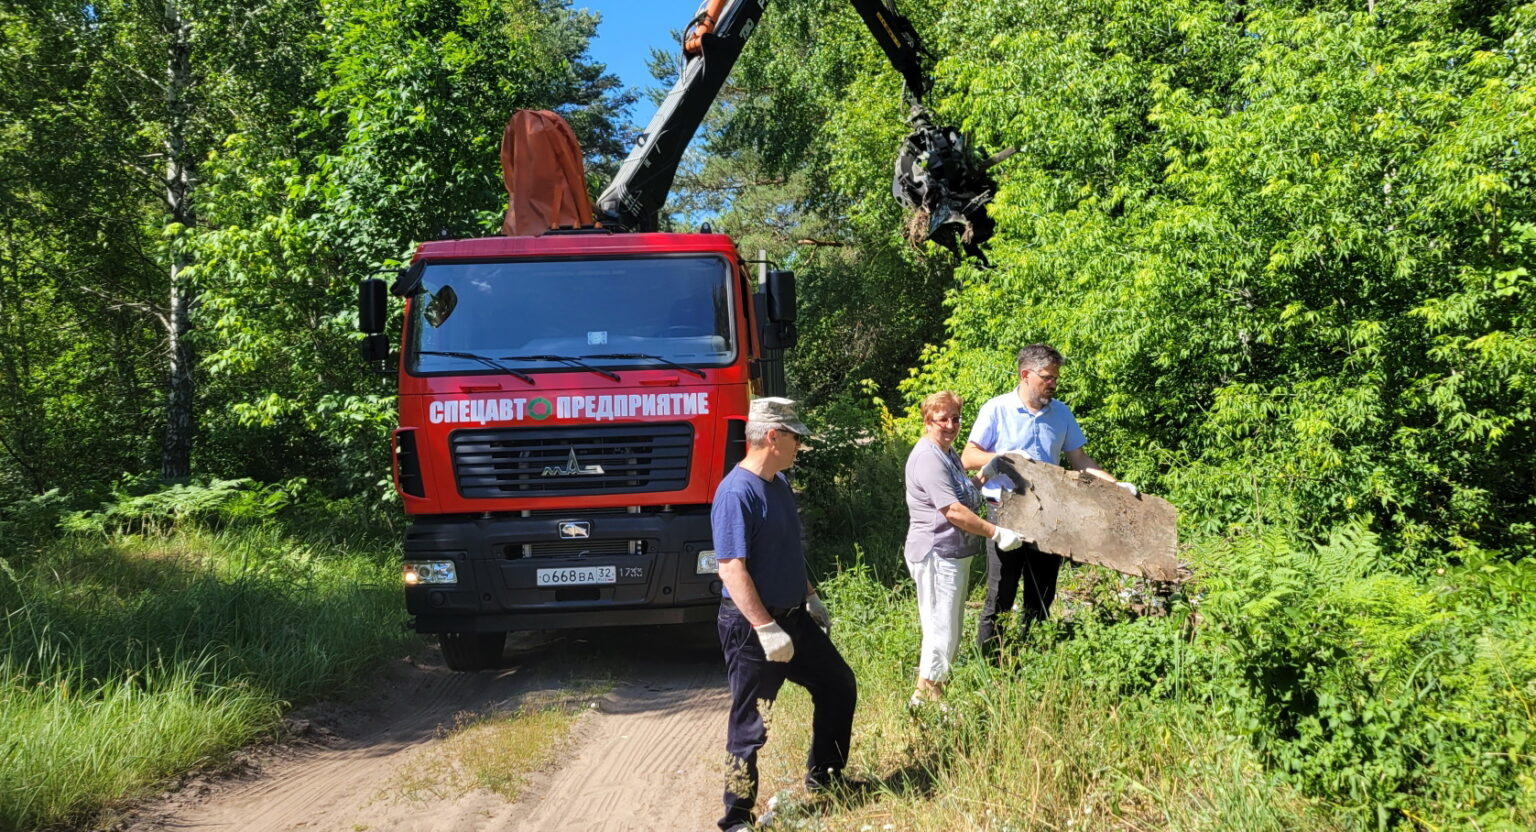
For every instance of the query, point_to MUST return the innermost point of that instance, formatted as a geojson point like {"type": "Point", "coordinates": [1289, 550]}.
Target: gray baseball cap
{"type": "Point", "coordinates": [777, 412]}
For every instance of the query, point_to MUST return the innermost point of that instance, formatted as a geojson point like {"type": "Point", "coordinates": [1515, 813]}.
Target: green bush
{"type": "Point", "coordinates": [1398, 698]}
{"type": "Point", "coordinates": [851, 482]}
{"type": "Point", "coordinates": [34, 519]}
{"type": "Point", "coordinates": [146, 504]}
{"type": "Point", "coordinates": [1094, 723]}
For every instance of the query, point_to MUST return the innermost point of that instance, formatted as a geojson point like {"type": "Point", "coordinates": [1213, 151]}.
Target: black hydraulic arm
{"type": "Point", "coordinates": [639, 190]}
{"type": "Point", "coordinates": [713, 43]}
{"type": "Point", "coordinates": [900, 41]}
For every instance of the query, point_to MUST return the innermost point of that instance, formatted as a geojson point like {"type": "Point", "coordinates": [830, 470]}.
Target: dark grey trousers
{"type": "Point", "coordinates": [817, 667]}
{"type": "Point", "coordinates": [1006, 571]}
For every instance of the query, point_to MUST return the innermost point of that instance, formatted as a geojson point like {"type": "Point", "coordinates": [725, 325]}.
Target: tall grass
{"type": "Point", "coordinates": [1040, 743]}
{"type": "Point", "coordinates": [126, 658]}
{"type": "Point", "coordinates": [1371, 704]}
{"type": "Point", "coordinates": [70, 746]}
{"type": "Point", "coordinates": [1295, 684]}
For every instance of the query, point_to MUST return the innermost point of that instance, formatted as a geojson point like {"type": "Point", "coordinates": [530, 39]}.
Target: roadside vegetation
{"type": "Point", "coordinates": [1286, 248]}
{"type": "Point", "coordinates": [167, 629]}
{"type": "Point", "coordinates": [1289, 685]}
{"type": "Point", "coordinates": [1046, 741]}
{"type": "Point", "coordinates": [189, 193]}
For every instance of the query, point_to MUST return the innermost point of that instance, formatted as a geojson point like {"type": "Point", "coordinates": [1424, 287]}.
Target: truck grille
{"type": "Point", "coordinates": [538, 462]}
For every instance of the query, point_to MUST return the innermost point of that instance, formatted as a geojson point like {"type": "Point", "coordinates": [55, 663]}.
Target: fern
{"type": "Point", "coordinates": [158, 510]}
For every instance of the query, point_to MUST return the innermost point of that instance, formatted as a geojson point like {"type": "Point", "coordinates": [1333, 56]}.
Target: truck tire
{"type": "Point", "coordinates": [468, 652]}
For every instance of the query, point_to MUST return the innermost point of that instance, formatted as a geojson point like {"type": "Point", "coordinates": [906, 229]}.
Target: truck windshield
{"type": "Point", "coordinates": [633, 312]}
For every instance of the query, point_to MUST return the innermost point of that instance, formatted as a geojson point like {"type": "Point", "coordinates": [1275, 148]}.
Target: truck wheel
{"type": "Point", "coordinates": [469, 652]}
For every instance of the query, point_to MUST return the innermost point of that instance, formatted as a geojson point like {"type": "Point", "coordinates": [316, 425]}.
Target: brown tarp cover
{"type": "Point", "coordinates": [541, 167]}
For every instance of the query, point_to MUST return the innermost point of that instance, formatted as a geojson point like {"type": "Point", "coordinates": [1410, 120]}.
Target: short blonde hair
{"type": "Point", "coordinates": [943, 398]}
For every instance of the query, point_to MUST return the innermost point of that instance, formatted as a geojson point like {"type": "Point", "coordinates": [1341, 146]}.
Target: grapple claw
{"type": "Point", "coordinates": [944, 181]}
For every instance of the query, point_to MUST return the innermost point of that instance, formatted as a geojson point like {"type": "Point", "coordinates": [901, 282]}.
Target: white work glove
{"type": "Point", "coordinates": [1006, 539]}
{"type": "Point", "coordinates": [989, 470]}
{"type": "Point", "coordinates": [777, 645]}
{"type": "Point", "coordinates": [818, 611]}
{"type": "Point", "coordinates": [1128, 487]}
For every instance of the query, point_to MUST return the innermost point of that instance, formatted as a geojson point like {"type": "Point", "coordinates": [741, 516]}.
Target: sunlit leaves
{"type": "Point", "coordinates": [1284, 246]}
{"type": "Point", "coordinates": [328, 136]}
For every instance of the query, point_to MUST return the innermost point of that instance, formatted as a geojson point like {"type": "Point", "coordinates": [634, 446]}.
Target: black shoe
{"type": "Point", "coordinates": [835, 784]}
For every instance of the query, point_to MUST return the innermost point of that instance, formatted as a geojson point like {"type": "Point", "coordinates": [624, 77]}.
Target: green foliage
{"type": "Point", "coordinates": [323, 139]}
{"type": "Point", "coordinates": [1396, 698]}
{"type": "Point", "coordinates": [874, 616]}
{"type": "Point", "coordinates": [34, 519]}
{"type": "Point", "coordinates": [1250, 251]}
{"type": "Point", "coordinates": [1285, 248]}
{"type": "Point", "coordinates": [852, 475]}
{"type": "Point", "coordinates": [145, 505]}
{"type": "Point", "coordinates": [1077, 729]}
{"type": "Point", "coordinates": [1286, 251]}
{"type": "Point", "coordinates": [128, 658]}
{"type": "Point", "coordinates": [70, 746]}
{"type": "Point", "coordinates": [396, 143]}
{"type": "Point", "coordinates": [163, 507]}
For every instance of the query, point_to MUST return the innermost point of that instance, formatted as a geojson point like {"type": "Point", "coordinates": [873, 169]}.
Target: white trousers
{"type": "Point", "coordinates": [941, 590]}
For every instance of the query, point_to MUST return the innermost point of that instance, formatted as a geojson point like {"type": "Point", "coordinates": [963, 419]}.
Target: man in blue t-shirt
{"type": "Point", "coordinates": [772, 625]}
{"type": "Point", "coordinates": [1030, 420]}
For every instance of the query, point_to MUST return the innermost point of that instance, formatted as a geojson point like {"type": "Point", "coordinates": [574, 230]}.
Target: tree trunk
{"type": "Point", "coordinates": [180, 423]}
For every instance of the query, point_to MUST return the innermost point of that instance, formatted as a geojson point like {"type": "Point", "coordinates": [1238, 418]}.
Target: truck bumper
{"type": "Point", "coordinates": [499, 559]}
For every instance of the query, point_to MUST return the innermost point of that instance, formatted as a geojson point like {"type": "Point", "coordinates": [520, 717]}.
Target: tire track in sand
{"type": "Point", "coordinates": [645, 759]}
{"type": "Point", "coordinates": [652, 762]}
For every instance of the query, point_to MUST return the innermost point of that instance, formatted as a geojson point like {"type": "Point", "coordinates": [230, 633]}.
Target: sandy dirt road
{"type": "Point", "coordinates": [645, 756]}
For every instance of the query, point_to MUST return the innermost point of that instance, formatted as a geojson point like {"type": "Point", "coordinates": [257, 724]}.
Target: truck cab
{"type": "Point", "coordinates": [568, 404]}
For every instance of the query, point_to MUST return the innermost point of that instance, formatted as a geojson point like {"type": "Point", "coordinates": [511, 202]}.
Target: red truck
{"type": "Point", "coordinates": [570, 401]}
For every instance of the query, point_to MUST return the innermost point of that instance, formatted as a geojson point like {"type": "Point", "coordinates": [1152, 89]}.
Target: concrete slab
{"type": "Point", "coordinates": [1086, 519]}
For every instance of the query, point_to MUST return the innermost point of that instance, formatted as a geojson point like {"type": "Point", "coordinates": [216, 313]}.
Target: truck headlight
{"type": "Point", "coordinates": [430, 572]}
{"type": "Point", "coordinates": [707, 564]}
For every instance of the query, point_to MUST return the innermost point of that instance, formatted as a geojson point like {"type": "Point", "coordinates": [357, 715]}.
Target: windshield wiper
{"type": "Point", "coordinates": [483, 359]}
{"type": "Point", "coordinates": [575, 362]}
{"type": "Point", "coordinates": [648, 357]}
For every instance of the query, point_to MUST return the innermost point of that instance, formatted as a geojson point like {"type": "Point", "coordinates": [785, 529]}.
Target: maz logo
{"type": "Point", "coordinates": [573, 468]}
{"type": "Point", "coordinates": [575, 529]}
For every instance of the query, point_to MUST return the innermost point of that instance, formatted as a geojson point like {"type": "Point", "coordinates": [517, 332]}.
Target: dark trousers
{"type": "Point", "coordinates": [1005, 571]}
{"type": "Point", "coordinates": [817, 667]}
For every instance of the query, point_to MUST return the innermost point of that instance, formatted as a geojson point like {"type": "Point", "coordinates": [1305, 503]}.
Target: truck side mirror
{"type": "Point", "coordinates": [780, 335]}
{"type": "Point", "coordinates": [775, 335]}
{"type": "Point", "coordinates": [372, 305]}
{"type": "Point", "coordinates": [781, 296]}
{"type": "Point", "coordinates": [375, 347]}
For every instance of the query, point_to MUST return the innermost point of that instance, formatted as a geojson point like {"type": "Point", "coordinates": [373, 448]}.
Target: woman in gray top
{"type": "Point", "coordinates": [941, 538]}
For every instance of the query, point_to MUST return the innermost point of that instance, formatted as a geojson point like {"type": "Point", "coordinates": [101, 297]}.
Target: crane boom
{"type": "Point", "coordinates": [901, 43]}
{"type": "Point", "coordinates": [718, 32]}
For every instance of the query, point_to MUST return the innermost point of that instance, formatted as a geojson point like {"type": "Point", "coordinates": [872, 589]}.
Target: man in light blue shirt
{"type": "Point", "coordinates": [1030, 420]}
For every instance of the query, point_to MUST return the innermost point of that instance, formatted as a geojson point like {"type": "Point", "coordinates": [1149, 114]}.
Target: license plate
{"type": "Point", "coordinates": [577, 576]}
